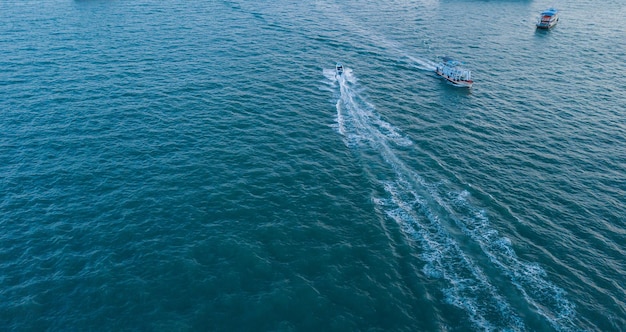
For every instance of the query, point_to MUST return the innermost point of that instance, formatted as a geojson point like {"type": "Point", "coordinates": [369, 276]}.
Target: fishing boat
{"type": "Point", "coordinates": [548, 19]}
{"type": "Point", "coordinates": [451, 70]}
{"type": "Point", "coordinates": [339, 68]}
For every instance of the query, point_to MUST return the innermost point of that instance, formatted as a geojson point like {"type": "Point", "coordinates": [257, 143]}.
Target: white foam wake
{"type": "Point", "coordinates": [437, 220]}
{"type": "Point", "coordinates": [357, 120]}
{"type": "Point", "coordinates": [529, 278]}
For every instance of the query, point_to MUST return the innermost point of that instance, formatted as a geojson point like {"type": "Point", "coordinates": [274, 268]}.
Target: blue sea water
{"type": "Point", "coordinates": [198, 166]}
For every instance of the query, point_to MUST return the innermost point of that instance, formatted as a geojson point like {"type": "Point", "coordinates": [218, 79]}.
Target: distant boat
{"type": "Point", "coordinates": [339, 68]}
{"type": "Point", "coordinates": [452, 71]}
{"type": "Point", "coordinates": [548, 19]}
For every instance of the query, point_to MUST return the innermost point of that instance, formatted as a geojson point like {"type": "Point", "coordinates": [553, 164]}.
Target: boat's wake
{"type": "Point", "coordinates": [457, 242]}
{"type": "Point", "coordinates": [348, 117]}
{"type": "Point", "coordinates": [382, 42]}
{"type": "Point", "coordinates": [422, 63]}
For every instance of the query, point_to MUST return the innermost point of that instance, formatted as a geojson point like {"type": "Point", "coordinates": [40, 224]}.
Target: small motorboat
{"type": "Point", "coordinates": [548, 19]}
{"type": "Point", "coordinates": [339, 68]}
{"type": "Point", "coordinates": [451, 70]}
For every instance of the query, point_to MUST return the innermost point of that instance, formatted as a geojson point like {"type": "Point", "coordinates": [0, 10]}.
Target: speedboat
{"type": "Point", "coordinates": [339, 68]}
{"type": "Point", "coordinates": [548, 19]}
{"type": "Point", "coordinates": [452, 71]}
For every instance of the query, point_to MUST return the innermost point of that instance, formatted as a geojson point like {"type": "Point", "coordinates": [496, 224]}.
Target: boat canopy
{"type": "Point", "coordinates": [549, 12]}
{"type": "Point", "coordinates": [450, 61]}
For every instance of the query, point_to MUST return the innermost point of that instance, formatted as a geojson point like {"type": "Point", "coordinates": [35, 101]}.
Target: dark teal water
{"type": "Point", "coordinates": [196, 166]}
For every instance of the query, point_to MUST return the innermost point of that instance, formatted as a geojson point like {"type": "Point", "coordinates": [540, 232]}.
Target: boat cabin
{"type": "Point", "coordinates": [339, 68]}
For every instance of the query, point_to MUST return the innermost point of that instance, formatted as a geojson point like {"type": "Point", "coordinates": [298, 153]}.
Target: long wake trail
{"type": "Point", "coordinates": [336, 13]}
{"type": "Point", "coordinates": [433, 217]}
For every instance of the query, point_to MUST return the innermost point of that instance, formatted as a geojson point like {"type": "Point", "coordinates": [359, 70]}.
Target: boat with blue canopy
{"type": "Point", "coordinates": [548, 19]}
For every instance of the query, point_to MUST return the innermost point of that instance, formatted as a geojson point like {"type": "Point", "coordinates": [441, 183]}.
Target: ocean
{"type": "Point", "coordinates": [198, 166]}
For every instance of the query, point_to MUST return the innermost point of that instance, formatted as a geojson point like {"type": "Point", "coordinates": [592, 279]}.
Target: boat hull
{"type": "Point", "coordinates": [546, 25]}
{"type": "Point", "coordinates": [457, 83]}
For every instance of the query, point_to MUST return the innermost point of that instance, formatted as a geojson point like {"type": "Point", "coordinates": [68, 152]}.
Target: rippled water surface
{"type": "Point", "coordinates": [197, 165]}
